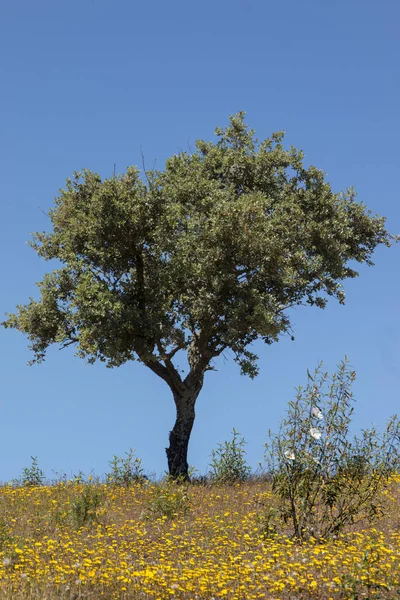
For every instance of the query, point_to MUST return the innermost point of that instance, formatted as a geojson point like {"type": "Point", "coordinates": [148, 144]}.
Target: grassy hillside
{"type": "Point", "coordinates": [92, 540]}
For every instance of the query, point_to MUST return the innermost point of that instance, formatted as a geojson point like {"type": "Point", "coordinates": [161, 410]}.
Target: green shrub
{"type": "Point", "coordinates": [126, 471]}
{"type": "Point", "coordinates": [323, 480]}
{"type": "Point", "coordinates": [228, 463]}
{"type": "Point", "coordinates": [31, 476]}
{"type": "Point", "coordinates": [170, 499]}
{"type": "Point", "coordinates": [85, 505]}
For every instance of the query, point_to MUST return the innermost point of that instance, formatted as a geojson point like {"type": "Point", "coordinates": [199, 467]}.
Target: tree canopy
{"type": "Point", "coordinates": [205, 255]}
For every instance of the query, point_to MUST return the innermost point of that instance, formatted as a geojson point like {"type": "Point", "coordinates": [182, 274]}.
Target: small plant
{"type": "Point", "coordinates": [6, 539]}
{"type": "Point", "coordinates": [323, 480]}
{"type": "Point", "coordinates": [126, 471]}
{"type": "Point", "coordinates": [79, 478]}
{"type": "Point", "coordinates": [169, 500]}
{"type": "Point", "coordinates": [33, 475]}
{"type": "Point", "coordinates": [228, 463]}
{"type": "Point", "coordinates": [84, 508]}
{"type": "Point", "coordinates": [267, 522]}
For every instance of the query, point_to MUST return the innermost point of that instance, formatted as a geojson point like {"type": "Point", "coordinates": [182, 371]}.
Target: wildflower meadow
{"type": "Point", "coordinates": [321, 519]}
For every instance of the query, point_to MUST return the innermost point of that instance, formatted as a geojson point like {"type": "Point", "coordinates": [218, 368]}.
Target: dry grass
{"type": "Point", "coordinates": [213, 548]}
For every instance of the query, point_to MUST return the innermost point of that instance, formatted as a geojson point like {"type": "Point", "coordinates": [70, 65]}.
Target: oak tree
{"type": "Point", "coordinates": [206, 255]}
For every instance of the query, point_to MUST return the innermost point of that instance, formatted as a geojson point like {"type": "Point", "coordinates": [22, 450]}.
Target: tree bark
{"type": "Point", "coordinates": [185, 394]}
{"type": "Point", "coordinates": [180, 434]}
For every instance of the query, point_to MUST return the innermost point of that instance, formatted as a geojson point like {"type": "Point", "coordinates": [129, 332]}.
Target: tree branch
{"type": "Point", "coordinates": [171, 377]}
{"type": "Point", "coordinates": [169, 366]}
{"type": "Point", "coordinates": [69, 343]}
{"type": "Point", "coordinates": [202, 353]}
{"type": "Point", "coordinates": [170, 355]}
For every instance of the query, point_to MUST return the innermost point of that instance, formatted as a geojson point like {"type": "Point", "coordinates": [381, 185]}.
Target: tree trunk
{"type": "Point", "coordinates": [180, 434]}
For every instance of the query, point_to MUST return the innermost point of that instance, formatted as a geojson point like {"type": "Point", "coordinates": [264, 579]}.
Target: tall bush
{"type": "Point", "coordinates": [324, 480]}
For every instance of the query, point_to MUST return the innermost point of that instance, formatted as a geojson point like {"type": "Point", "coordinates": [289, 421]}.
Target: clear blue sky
{"type": "Point", "coordinates": [90, 83]}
